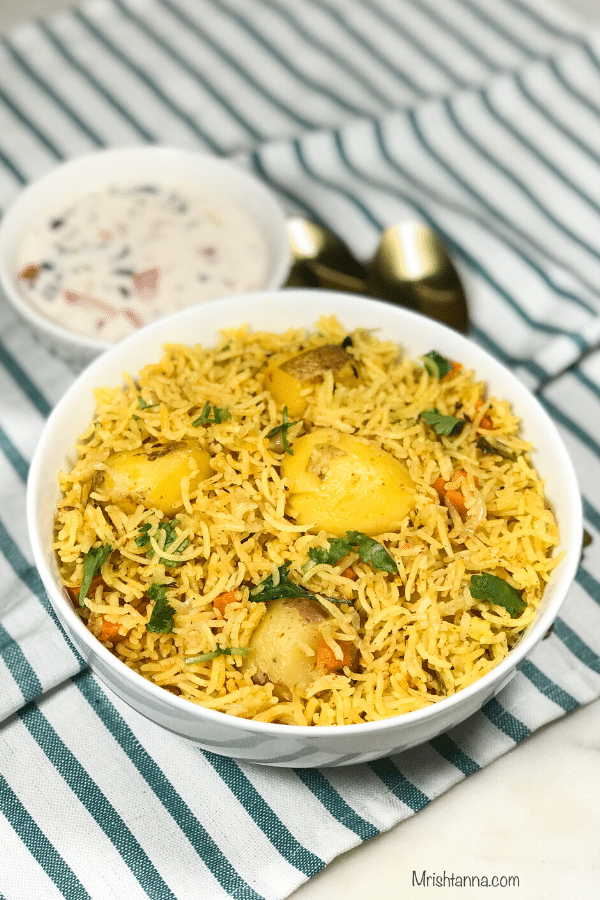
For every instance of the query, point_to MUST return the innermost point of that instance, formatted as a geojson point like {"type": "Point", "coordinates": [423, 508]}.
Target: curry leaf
{"type": "Point", "coordinates": [497, 591]}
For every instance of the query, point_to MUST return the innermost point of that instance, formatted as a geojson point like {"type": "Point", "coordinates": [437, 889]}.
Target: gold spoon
{"type": "Point", "coordinates": [321, 259]}
{"type": "Point", "coordinates": [411, 268]}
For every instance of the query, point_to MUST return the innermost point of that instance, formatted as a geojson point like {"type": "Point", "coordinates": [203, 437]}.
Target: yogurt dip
{"type": "Point", "coordinates": [110, 261]}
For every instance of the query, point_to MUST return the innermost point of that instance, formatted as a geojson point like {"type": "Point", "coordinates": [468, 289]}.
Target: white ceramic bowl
{"type": "Point", "coordinates": [158, 165]}
{"type": "Point", "coordinates": [270, 743]}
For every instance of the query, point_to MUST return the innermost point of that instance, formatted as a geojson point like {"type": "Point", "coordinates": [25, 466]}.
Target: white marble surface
{"type": "Point", "coordinates": [533, 815]}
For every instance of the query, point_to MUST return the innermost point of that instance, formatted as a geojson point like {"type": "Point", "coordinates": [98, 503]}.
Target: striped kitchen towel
{"type": "Point", "coordinates": [482, 119]}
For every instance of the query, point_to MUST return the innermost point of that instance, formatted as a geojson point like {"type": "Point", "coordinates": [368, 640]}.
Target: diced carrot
{"type": "Point", "coordinates": [458, 502]}
{"type": "Point", "coordinates": [349, 573]}
{"type": "Point", "coordinates": [453, 496]}
{"type": "Point", "coordinates": [111, 631]}
{"type": "Point", "coordinates": [326, 658]}
{"type": "Point", "coordinates": [222, 600]}
{"type": "Point", "coordinates": [456, 367]}
{"type": "Point", "coordinates": [460, 473]}
{"type": "Point", "coordinates": [74, 592]}
{"type": "Point", "coordinates": [485, 421]}
{"type": "Point", "coordinates": [440, 486]}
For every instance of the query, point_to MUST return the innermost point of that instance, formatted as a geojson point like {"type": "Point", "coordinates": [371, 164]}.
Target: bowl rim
{"type": "Point", "coordinates": [30, 200]}
{"type": "Point", "coordinates": [498, 675]}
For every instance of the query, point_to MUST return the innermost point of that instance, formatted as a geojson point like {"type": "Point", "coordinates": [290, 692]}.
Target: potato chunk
{"type": "Point", "coordinates": [284, 645]}
{"type": "Point", "coordinates": [339, 483]}
{"type": "Point", "coordinates": [287, 378]}
{"type": "Point", "coordinates": [152, 475]}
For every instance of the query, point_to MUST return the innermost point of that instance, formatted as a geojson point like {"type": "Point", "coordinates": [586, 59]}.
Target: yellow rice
{"type": "Point", "coordinates": [421, 635]}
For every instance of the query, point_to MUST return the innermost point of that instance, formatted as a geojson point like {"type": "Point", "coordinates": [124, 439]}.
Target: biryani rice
{"type": "Point", "coordinates": [419, 634]}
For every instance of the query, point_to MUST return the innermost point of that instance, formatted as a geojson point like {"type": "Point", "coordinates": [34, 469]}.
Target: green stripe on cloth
{"type": "Point", "coordinates": [511, 361]}
{"type": "Point", "coordinates": [272, 826]}
{"type": "Point", "coordinates": [522, 185]}
{"type": "Point", "coordinates": [495, 25]}
{"type": "Point", "coordinates": [92, 798]}
{"type": "Point", "coordinates": [366, 43]}
{"type": "Point", "coordinates": [317, 782]}
{"type": "Point", "coordinates": [329, 51]}
{"type": "Point", "coordinates": [149, 82]}
{"type": "Point", "coordinates": [12, 168]}
{"type": "Point", "coordinates": [198, 837]}
{"type": "Point", "coordinates": [52, 94]}
{"type": "Point", "coordinates": [42, 851]}
{"type": "Point", "coordinates": [454, 246]}
{"type": "Point", "coordinates": [535, 16]}
{"type": "Point", "coordinates": [425, 51]}
{"type": "Point", "coordinates": [30, 577]}
{"type": "Point", "coordinates": [13, 455]}
{"type": "Point", "coordinates": [505, 721]}
{"type": "Point", "coordinates": [445, 746]}
{"type": "Point", "coordinates": [577, 645]}
{"type": "Point", "coordinates": [31, 126]}
{"type": "Point", "coordinates": [399, 784]}
{"type": "Point", "coordinates": [547, 687]}
{"type": "Point", "coordinates": [23, 570]}
{"type": "Point", "coordinates": [283, 59]}
{"type": "Point", "coordinates": [588, 583]}
{"type": "Point", "coordinates": [445, 24]}
{"type": "Point", "coordinates": [24, 382]}
{"type": "Point", "coordinates": [95, 82]}
{"type": "Point", "coordinates": [19, 666]}
{"type": "Point", "coordinates": [172, 52]}
{"type": "Point", "coordinates": [463, 180]}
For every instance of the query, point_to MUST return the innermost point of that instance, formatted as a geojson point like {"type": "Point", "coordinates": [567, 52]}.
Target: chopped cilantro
{"type": "Point", "coordinates": [497, 591]}
{"type": "Point", "coordinates": [93, 560]}
{"type": "Point", "coordinates": [143, 538]}
{"type": "Point", "coordinates": [143, 405]}
{"type": "Point", "coordinates": [370, 551]}
{"type": "Point", "coordinates": [436, 364]}
{"type": "Point", "coordinates": [282, 431]}
{"type": "Point", "coordinates": [442, 424]}
{"type": "Point", "coordinates": [278, 587]}
{"type": "Point", "coordinates": [166, 535]}
{"type": "Point", "coordinates": [161, 619]}
{"type": "Point", "coordinates": [212, 654]}
{"type": "Point", "coordinates": [281, 587]}
{"type": "Point", "coordinates": [219, 414]}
